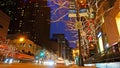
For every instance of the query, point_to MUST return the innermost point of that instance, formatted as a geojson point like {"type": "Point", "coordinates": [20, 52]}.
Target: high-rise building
{"type": "Point", "coordinates": [4, 23]}
{"type": "Point", "coordinates": [30, 18]}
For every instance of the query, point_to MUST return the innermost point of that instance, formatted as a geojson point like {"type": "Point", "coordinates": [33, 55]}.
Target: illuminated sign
{"type": "Point", "coordinates": [100, 42]}
{"type": "Point", "coordinates": [99, 34]}
{"type": "Point", "coordinates": [81, 10]}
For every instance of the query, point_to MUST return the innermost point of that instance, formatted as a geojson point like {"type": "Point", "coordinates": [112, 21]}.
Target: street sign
{"type": "Point", "coordinates": [78, 25]}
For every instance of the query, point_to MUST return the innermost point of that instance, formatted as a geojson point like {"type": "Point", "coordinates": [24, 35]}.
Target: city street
{"type": "Point", "coordinates": [59, 33]}
{"type": "Point", "coordinates": [29, 65]}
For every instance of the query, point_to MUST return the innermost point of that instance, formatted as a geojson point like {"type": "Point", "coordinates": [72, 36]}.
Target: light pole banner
{"type": "Point", "coordinates": [78, 25]}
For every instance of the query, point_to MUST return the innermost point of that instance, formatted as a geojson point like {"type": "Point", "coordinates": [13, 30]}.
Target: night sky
{"type": "Point", "coordinates": [60, 22]}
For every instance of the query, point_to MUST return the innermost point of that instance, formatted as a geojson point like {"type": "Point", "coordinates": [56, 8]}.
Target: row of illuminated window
{"type": "Point", "coordinates": [15, 30]}
{"type": "Point", "coordinates": [25, 45]}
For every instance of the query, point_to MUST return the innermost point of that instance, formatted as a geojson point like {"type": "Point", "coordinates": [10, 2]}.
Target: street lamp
{"type": "Point", "coordinates": [79, 25]}
{"type": "Point", "coordinates": [21, 39]}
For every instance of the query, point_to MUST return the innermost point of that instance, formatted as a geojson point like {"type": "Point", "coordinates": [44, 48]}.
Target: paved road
{"type": "Point", "coordinates": [28, 65]}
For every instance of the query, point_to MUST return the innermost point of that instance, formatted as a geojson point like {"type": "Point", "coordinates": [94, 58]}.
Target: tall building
{"type": "Point", "coordinates": [107, 26]}
{"type": "Point", "coordinates": [29, 18]}
{"type": "Point", "coordinates": [4, 23]}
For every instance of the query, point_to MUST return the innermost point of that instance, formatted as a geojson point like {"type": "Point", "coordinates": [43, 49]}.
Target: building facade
{"type": "Point", "coordinates": [4, 24]}
{"type": "Point", "coordinates": [28, 17]}
{"type": "Point", "coordinates": [108, 21]}
{"type": "Point", "coordinates": [25, 46]}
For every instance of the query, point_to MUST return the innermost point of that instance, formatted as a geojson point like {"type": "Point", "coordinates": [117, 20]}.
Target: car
{"type": "Point", "coordinates": [60, 61]}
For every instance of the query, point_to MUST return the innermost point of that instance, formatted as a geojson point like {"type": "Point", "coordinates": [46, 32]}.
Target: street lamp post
{"type": "Point", "coordinates": [79, 35]}
{"type": "Point", "coordinates": [21, 39]}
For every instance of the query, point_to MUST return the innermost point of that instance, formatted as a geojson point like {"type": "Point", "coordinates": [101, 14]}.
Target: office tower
{"type": "Point", "coordinates": [4, 23]}
{"type": "Point", "coordinates": [30, 18]}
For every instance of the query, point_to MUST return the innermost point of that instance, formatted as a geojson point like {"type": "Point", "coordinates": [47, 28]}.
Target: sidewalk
{"type": "Point", "coordinates": [76, 66]}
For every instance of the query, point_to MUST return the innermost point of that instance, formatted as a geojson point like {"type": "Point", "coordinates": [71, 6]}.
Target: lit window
{"type": "Point", "coordinates": [21, 21]}
{"type": "Point", "coordinates": [9, 12]}
{"type": "Point", "coordinates": [30, 45]}
{"type": "Point", "coordinates": [15, 18]}
{"type": "Point", "coordinates": [34, 37]}
{"type": "Point", "coordinates": [19, 30]}
{"type": "Point", "coordinates": [42, 14]}
{"type": "Point", "coordinates": [2, 4]}
{"type": "Point", "coordinates": [27, 6]}
{"type": "Point", "coordinates": [8, 29]}
{"type": "Point", "coordinates": [18, 8]}
{"type": "Point", "coordinates": [20, 25]}
{"type": "Point", "coordinates": [22, 13]}
{"type": "Point", "coordinates": [36, 5]}
{"type": "Point", "coordinates": [37, 10]}
{"type": "Point", "coordinates": [32, 20]}
{"type": "Point", "coordinates": [24, 44]}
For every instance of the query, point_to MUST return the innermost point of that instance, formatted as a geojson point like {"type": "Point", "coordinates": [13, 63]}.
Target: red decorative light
{"type": "Point", "coordinates": [87, 24]}
{"type": "Point", "coordinates": [90, 38]}
{"type": "Point", "coordinates": [82, 3]}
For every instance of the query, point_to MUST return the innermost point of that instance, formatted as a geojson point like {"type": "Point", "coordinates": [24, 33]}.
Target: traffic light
{"type": "Point", "coordinates": [42, 54]}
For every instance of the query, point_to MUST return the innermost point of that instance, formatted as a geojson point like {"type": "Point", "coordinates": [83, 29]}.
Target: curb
{"type": "Point", "coordinates": [76, 66]}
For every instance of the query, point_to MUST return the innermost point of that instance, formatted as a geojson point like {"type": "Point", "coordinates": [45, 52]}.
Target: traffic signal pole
{"type": "Point", "coordinates": [79, 35]}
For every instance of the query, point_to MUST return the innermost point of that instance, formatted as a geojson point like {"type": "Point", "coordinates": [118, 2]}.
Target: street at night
{"type": "Point", "coordinates": [59, 33]}
{"type": "Point", "coordinates": [29, 65]}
